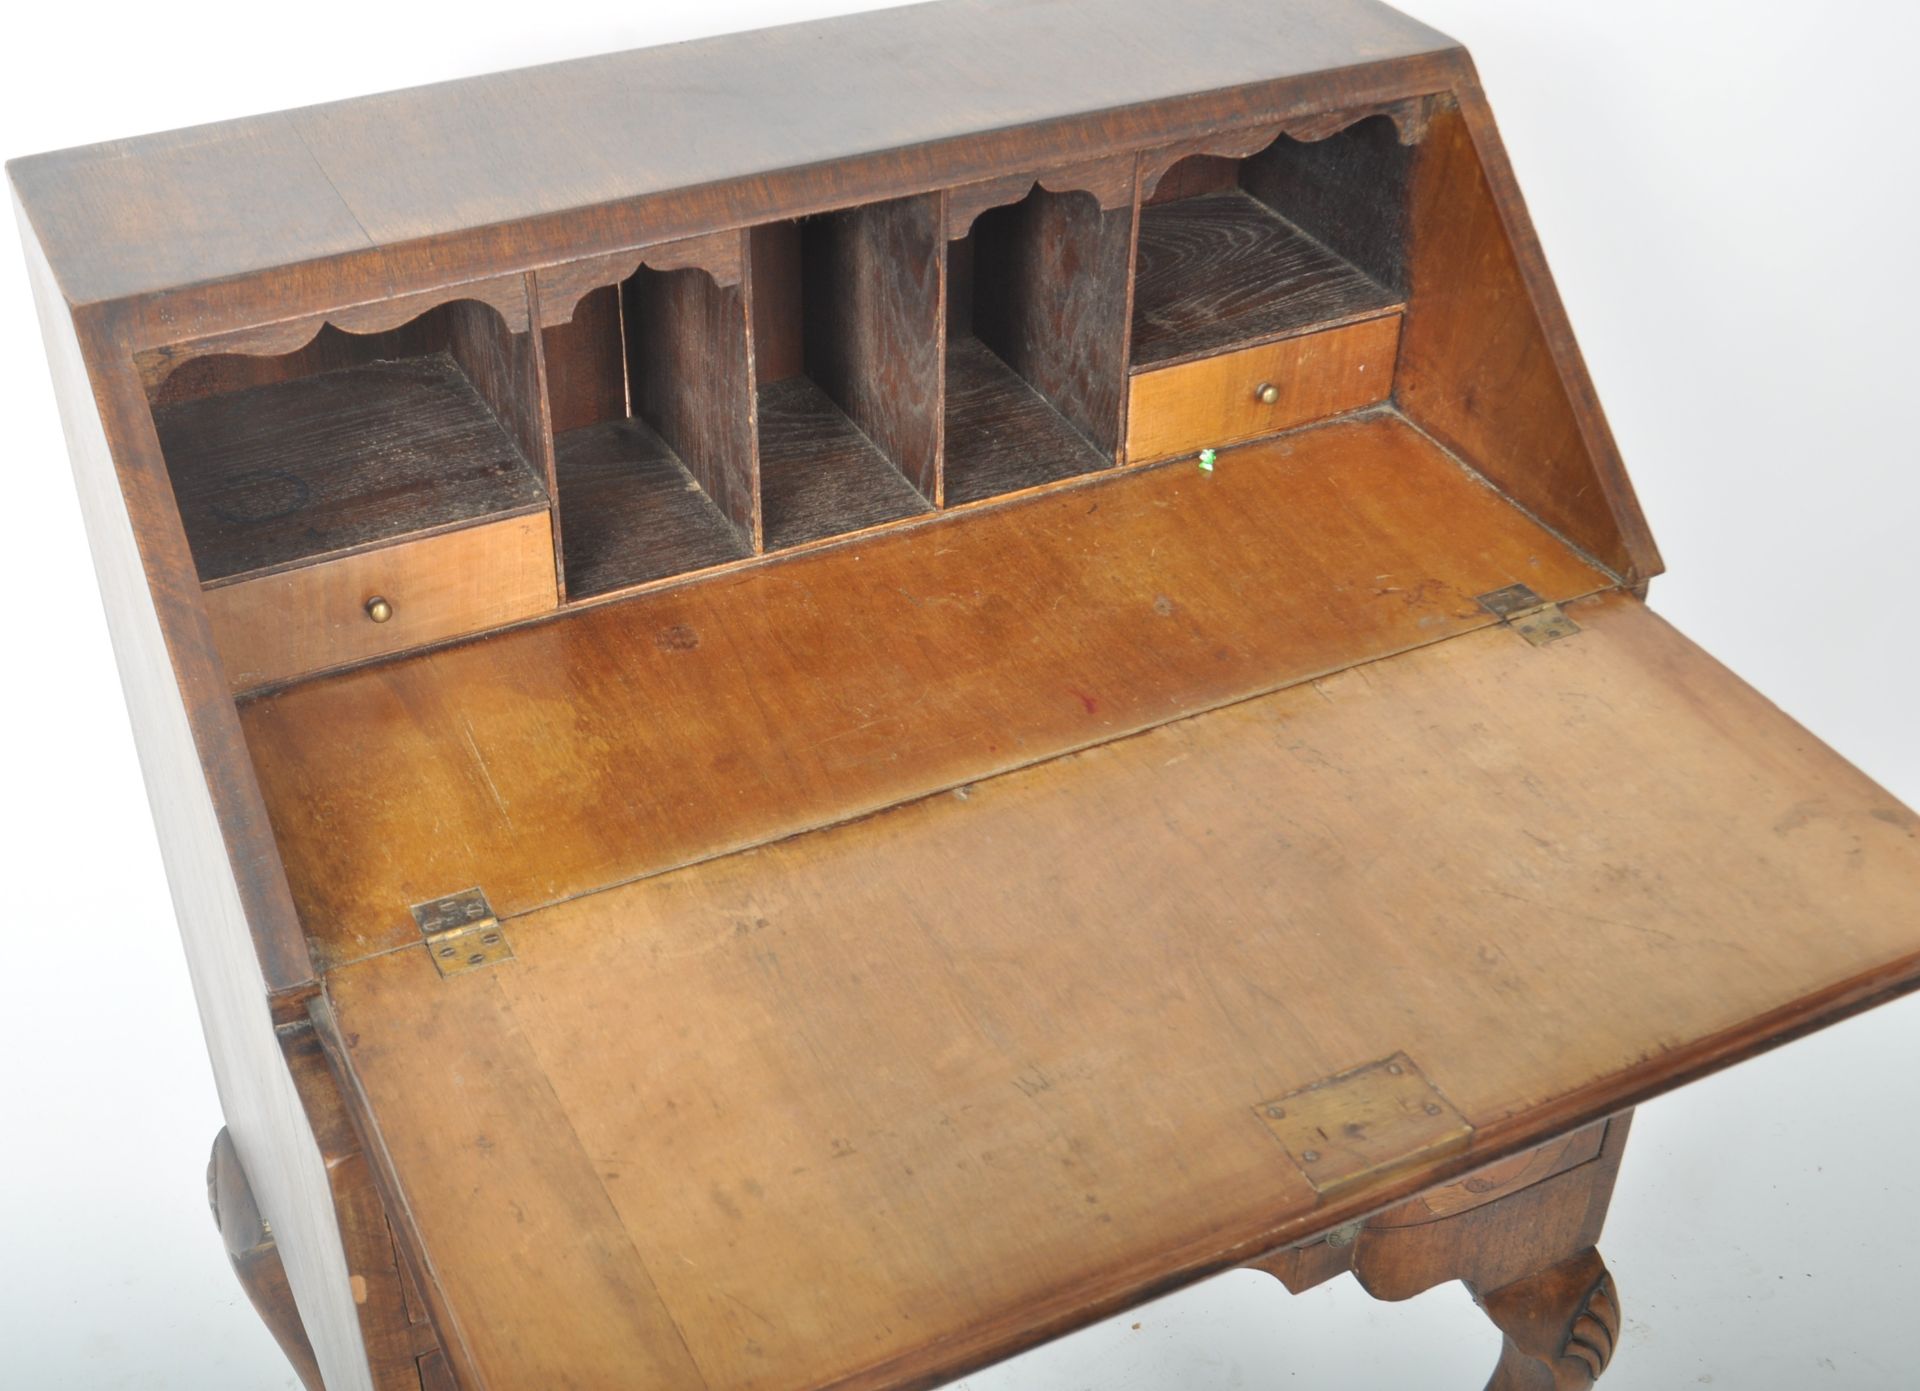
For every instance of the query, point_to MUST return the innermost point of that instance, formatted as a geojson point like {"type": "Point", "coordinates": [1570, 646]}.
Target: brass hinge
{"type": "Point", "coordinates": [1536, 620]}
{"type": "Point", "coordinates": [462, 933]}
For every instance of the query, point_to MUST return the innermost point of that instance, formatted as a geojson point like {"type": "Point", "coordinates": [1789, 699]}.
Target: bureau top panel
{"type": "Point", "coordinates": [945, 92]}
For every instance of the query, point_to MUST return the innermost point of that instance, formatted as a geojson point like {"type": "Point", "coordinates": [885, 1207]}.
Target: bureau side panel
{"type": "Point", "coordinates": [1488, 361]}
{"type": "Point", "coordinates": [264, 1114]}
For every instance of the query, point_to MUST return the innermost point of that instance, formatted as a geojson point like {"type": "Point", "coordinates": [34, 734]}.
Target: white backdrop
{"type": "Point", "coordinates": [1725, 189]}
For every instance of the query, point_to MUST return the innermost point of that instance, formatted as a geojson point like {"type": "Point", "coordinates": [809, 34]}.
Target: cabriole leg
{"type": "Point", "coordinates": [1520, 1235]}
{"type": "Point", "coordinates": [1560, 1326]}
{"type": "Point", "coordinates": [256, 1259]}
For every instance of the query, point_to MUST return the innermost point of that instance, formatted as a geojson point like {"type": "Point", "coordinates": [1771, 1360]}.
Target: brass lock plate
{"type": "Point", "coordinates": [1364, 1123]}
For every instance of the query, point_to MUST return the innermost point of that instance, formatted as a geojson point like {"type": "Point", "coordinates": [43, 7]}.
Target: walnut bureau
{"type": "Point", "coordinates": [824, 703]}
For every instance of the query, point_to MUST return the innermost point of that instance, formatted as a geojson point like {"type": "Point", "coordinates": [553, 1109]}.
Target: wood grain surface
{"type": "Point", "coordinates": [586, 363]}
{"type": "Point", "coordinates": [1002, 435]}
{"type": "Point", "coordinates": [1051, 281]}
{"type": "Point", "coordinates": [633, 511]}
{"type": "Point", "coordinates": [1348, 191]}
{"type": "Point", "coordinates": [1214, 401]}
{"type": "Point", "coordinates": [563, 757]}
{"type": "Point", "coordinates": [459, 160]}
{"type": "Point", "coordinates": [381, 1287]}
{"type": "Point", "coordinates": [1109, 182]}
{"type": "Point", "coordinates": [282, 475]}
{"type": "Point", "coordinates": [872, 327]}
{"type": "Point", "coordinates": [1480, 369]}
{"type": "Point", "coordinates": [690, 377]}
{"type": "Point", "coordinates": [875, 1104]}
{"type": "Point", "coordinates": [239, 930]}
{"type": "Point", "coordinates": [820, 474]}
{"type": "Point", "coordinates": [633, 742]}
{"type": "Point", "coordinates": [293, 622]}
{"type": "Point", "coordinates": [561, 287]}
{"type": "Point", "coordinates": [1222, 150]}
{"type": "Point", "coordinates": [1223, 271]}
{"type": "Point", "coordinates": [505, 295]}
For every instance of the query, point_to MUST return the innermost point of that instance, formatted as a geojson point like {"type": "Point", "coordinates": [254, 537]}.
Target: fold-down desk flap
{"type": "Point", "coordinates": [869, 1098]}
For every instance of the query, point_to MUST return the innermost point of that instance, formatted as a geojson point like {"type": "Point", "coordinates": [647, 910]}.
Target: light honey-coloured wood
{"type": "Point", "coordinates": [1218, 401]}
{"type": "Point", "coordinates": [560, 758]}
{"type": "Point", "coordinates": [284, 625]}
{"type": "Point", "coordinates": [855, 1107]}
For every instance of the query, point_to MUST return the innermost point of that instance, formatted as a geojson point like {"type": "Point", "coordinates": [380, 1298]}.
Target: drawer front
{"type": "Point", "coordinates": [1217, 400]}
{"type": "Point", "coordinates": [280, 626]}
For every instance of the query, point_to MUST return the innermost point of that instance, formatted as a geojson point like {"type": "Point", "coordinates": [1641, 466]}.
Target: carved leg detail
{"type": "Point", "coordinates": [1560, 1325]}
{"type": "Point", "coordinates": [1520, 1234]}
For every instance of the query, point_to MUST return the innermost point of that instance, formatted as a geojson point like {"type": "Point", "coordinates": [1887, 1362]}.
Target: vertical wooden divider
{"type": "Point", "coordinates": [543, 413]}
{"type": "Point", "coordinates": [687, 377]}
{"type": "Point", "coordinates": [872, 326]}
{"type": "Point", "coordinates": [1134, 205]}
{"type": "Point", "coordinates": [943, 309]}
{"type": "Point", "coordinates": [759, 537]}
{"type": "Point", "coordinates": [1045, 267]}
{"type": "Point", "coordinates": [1072, 312]}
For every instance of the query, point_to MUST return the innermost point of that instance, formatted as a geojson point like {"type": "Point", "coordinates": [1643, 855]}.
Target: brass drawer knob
{"type": "Point", "coordinates": [378, 609]}
{"type": "Point", "coordinates": [1266, 393]}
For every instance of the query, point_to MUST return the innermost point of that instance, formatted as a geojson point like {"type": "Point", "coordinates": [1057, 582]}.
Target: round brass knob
{"type": "Point", "coordinates": [1266, 393]}
{"type": "Point", "coordinates": [378, 609]}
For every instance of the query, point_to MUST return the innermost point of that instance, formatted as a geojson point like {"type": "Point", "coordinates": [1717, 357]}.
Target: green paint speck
{"type": "Point", "coordinates": [1207, 456]}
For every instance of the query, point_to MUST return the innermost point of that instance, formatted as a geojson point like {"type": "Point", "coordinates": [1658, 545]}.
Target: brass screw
{"type": "Point", "coordinates": [378, 609]}
{"type": "Point", "coordinates": [1267, 394]}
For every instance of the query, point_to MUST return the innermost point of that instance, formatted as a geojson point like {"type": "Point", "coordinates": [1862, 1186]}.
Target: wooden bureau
{"type": "Point", "coordinates": [824, 703]}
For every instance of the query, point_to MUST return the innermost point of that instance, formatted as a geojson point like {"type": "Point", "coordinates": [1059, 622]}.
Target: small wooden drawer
{"type": "Point", "coordinates": [275, 627]}
{"type": "Point", "coordinates": [1217, 400]}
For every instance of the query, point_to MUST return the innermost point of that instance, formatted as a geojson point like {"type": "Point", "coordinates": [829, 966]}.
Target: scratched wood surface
{"type": "Point", "coordinates": [559, 758]}
{"type": "Point", "coordinates": [869, 1105]}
